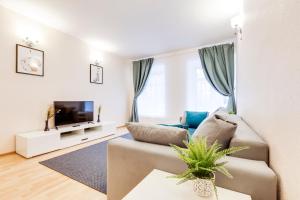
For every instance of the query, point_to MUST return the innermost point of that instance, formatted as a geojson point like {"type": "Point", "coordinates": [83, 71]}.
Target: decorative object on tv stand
{"type": "Point", "coordinates": [50, 113]}
{"type": "Point", "coordinates": [29, 60]}
{"type": "Point", "coordinates": [203, 161]}
{"type": "Point", "coordinates": [96, 74]}
{"type": "Point", "coordinates": [99, 111]}
{"type": "Point", "coordinates": [237, 23]}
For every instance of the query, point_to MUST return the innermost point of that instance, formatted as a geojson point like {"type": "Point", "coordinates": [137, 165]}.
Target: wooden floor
{"type": "Point", "coordinates": [22, 178]}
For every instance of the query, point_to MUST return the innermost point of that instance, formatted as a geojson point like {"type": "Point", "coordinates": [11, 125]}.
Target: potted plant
{"type": "Point", "coordinates": [202, 162]}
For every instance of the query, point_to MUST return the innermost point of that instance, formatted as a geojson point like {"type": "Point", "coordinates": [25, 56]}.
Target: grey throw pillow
{"type": "Point", "coordinates": [158, 134]}
{"type": "Point", "coordinates": [216, 128]}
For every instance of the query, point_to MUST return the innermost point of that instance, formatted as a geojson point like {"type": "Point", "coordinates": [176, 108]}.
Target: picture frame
{"type": "Point", "coordinates": [29, 61]}
{"type": "Point", "coordinates": [96, 74]}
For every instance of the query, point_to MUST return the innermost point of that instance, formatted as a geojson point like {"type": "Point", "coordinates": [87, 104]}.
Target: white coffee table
{"type": "Point", "coordinates": [156, 186]}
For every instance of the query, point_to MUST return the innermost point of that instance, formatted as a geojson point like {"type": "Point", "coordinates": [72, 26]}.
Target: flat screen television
{"type": "Point", "coordinates": [73, 112]}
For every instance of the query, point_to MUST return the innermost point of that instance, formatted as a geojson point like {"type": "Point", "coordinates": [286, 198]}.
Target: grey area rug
{"type": "Point", "coordinates": [87, 165]}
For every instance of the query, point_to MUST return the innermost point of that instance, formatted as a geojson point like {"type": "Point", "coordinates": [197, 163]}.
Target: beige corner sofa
{"type": "Point", "coordinates": [129, 161]}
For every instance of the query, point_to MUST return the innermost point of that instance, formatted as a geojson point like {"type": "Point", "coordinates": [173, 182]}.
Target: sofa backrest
{"type": "Point", "coordinates": [246, 136]}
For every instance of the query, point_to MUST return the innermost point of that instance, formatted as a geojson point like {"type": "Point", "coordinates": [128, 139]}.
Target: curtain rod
{"type": "Point", "coordinates": [232, 40]}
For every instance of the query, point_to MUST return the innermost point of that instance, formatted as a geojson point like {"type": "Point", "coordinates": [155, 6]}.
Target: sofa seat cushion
{"type": "Point", "coordinates": [157, 134]}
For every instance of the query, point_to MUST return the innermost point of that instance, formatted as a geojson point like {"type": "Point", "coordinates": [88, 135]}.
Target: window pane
{"type": "Point", "coordinates": [151, 103]}
{"type": "Point", "coordinates": [201, 96]}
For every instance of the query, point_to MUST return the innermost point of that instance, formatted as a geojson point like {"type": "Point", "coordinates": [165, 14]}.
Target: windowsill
{"type": "Point", "coordinates": [158, 120]}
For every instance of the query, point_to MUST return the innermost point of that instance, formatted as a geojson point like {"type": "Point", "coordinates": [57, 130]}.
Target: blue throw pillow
{"type": "Point", "coordinates": [193, 119]}
{"type": "Point", "coordinates": [176, 125]}
{"type": "Point", "coordinates": [191, 131]}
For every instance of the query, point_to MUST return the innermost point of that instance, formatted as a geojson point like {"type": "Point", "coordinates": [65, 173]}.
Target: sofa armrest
{"type": "Point", "coordinates": [251, 177]}
{"type": "Point", "coordinates": [129, 161]}
{"type": "Point", "coordinates": [256, 151]}
{"type": "Point", "coordinates": [246, 136]}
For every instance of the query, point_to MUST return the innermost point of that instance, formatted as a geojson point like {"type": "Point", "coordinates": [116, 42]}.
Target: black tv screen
{"type": "Point", "coordinates": [72, 112]}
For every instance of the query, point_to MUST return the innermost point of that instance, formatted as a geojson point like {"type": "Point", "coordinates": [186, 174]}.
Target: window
{"type": "Point", "coordinates": [179, 81]}
{"type": "Point", "coordinates": [151, 102]}
{"type": "Point", "coordinates": [201, 96]}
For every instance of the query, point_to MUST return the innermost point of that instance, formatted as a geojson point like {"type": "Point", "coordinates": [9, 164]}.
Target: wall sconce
{"type": "Point", "coordinates": [96, 58]}
{"type": "Point", "coordinates": [236, 23]}
{"type": "Point", "coordinates": [28, 33]}
{"type": "Point", "coordinates": [29, 42]}
{"type": "Point", "coordinates": [97, 62]}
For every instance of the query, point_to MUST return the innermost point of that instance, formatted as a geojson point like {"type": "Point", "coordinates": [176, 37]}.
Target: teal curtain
{"type": "Point", "coordinates": [141, 71]}
{"type": "Point", "coordinates": [218, 66]}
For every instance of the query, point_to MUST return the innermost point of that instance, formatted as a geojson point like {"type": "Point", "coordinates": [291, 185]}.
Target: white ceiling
{"type": "Point", "coordinates": [135, 28]}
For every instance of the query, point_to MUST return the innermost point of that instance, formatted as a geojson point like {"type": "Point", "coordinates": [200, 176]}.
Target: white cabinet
{"type": "Point", "coordinates": [40, 142]}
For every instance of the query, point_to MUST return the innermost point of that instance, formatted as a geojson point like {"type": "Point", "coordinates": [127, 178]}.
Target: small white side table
{"type": "Point", "coordinates": [157, 186]}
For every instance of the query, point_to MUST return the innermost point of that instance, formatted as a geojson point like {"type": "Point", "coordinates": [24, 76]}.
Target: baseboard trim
{"type": "Point", "coordinates": [122, 126]}
{"type": "Point", "coordinates": [8, 153]}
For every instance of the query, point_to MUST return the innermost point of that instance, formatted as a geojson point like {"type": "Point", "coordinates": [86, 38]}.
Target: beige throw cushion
{"type": "Point", "coordinates": [157, 134]}
{"type": "Point", "coordinates": [229, 117]}
{"type": "Point", "coordinates": [216, 128]}
{"type": "Point", "coordinates": [220, 110]}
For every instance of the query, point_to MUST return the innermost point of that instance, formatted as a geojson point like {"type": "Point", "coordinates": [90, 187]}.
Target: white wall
{"type": "Point", "coordinates": [24, 99]}
{"type": "Point", "coordinates": [268, 86]}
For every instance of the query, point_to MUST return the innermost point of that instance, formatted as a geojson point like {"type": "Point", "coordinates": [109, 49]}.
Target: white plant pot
{"type": "Point", "coordinates": [204, 187]}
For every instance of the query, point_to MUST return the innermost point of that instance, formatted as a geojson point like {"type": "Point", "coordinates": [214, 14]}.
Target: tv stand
{"type": "Point", "coordinates": [40, 142]}
{"type": "Point", "coordinates": [76, 125]}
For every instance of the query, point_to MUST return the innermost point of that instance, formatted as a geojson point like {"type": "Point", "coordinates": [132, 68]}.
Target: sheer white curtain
{"type": "Point", "coordinates": [151, 103]}
{"type": "Point", "coordinates": [200, 94]}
